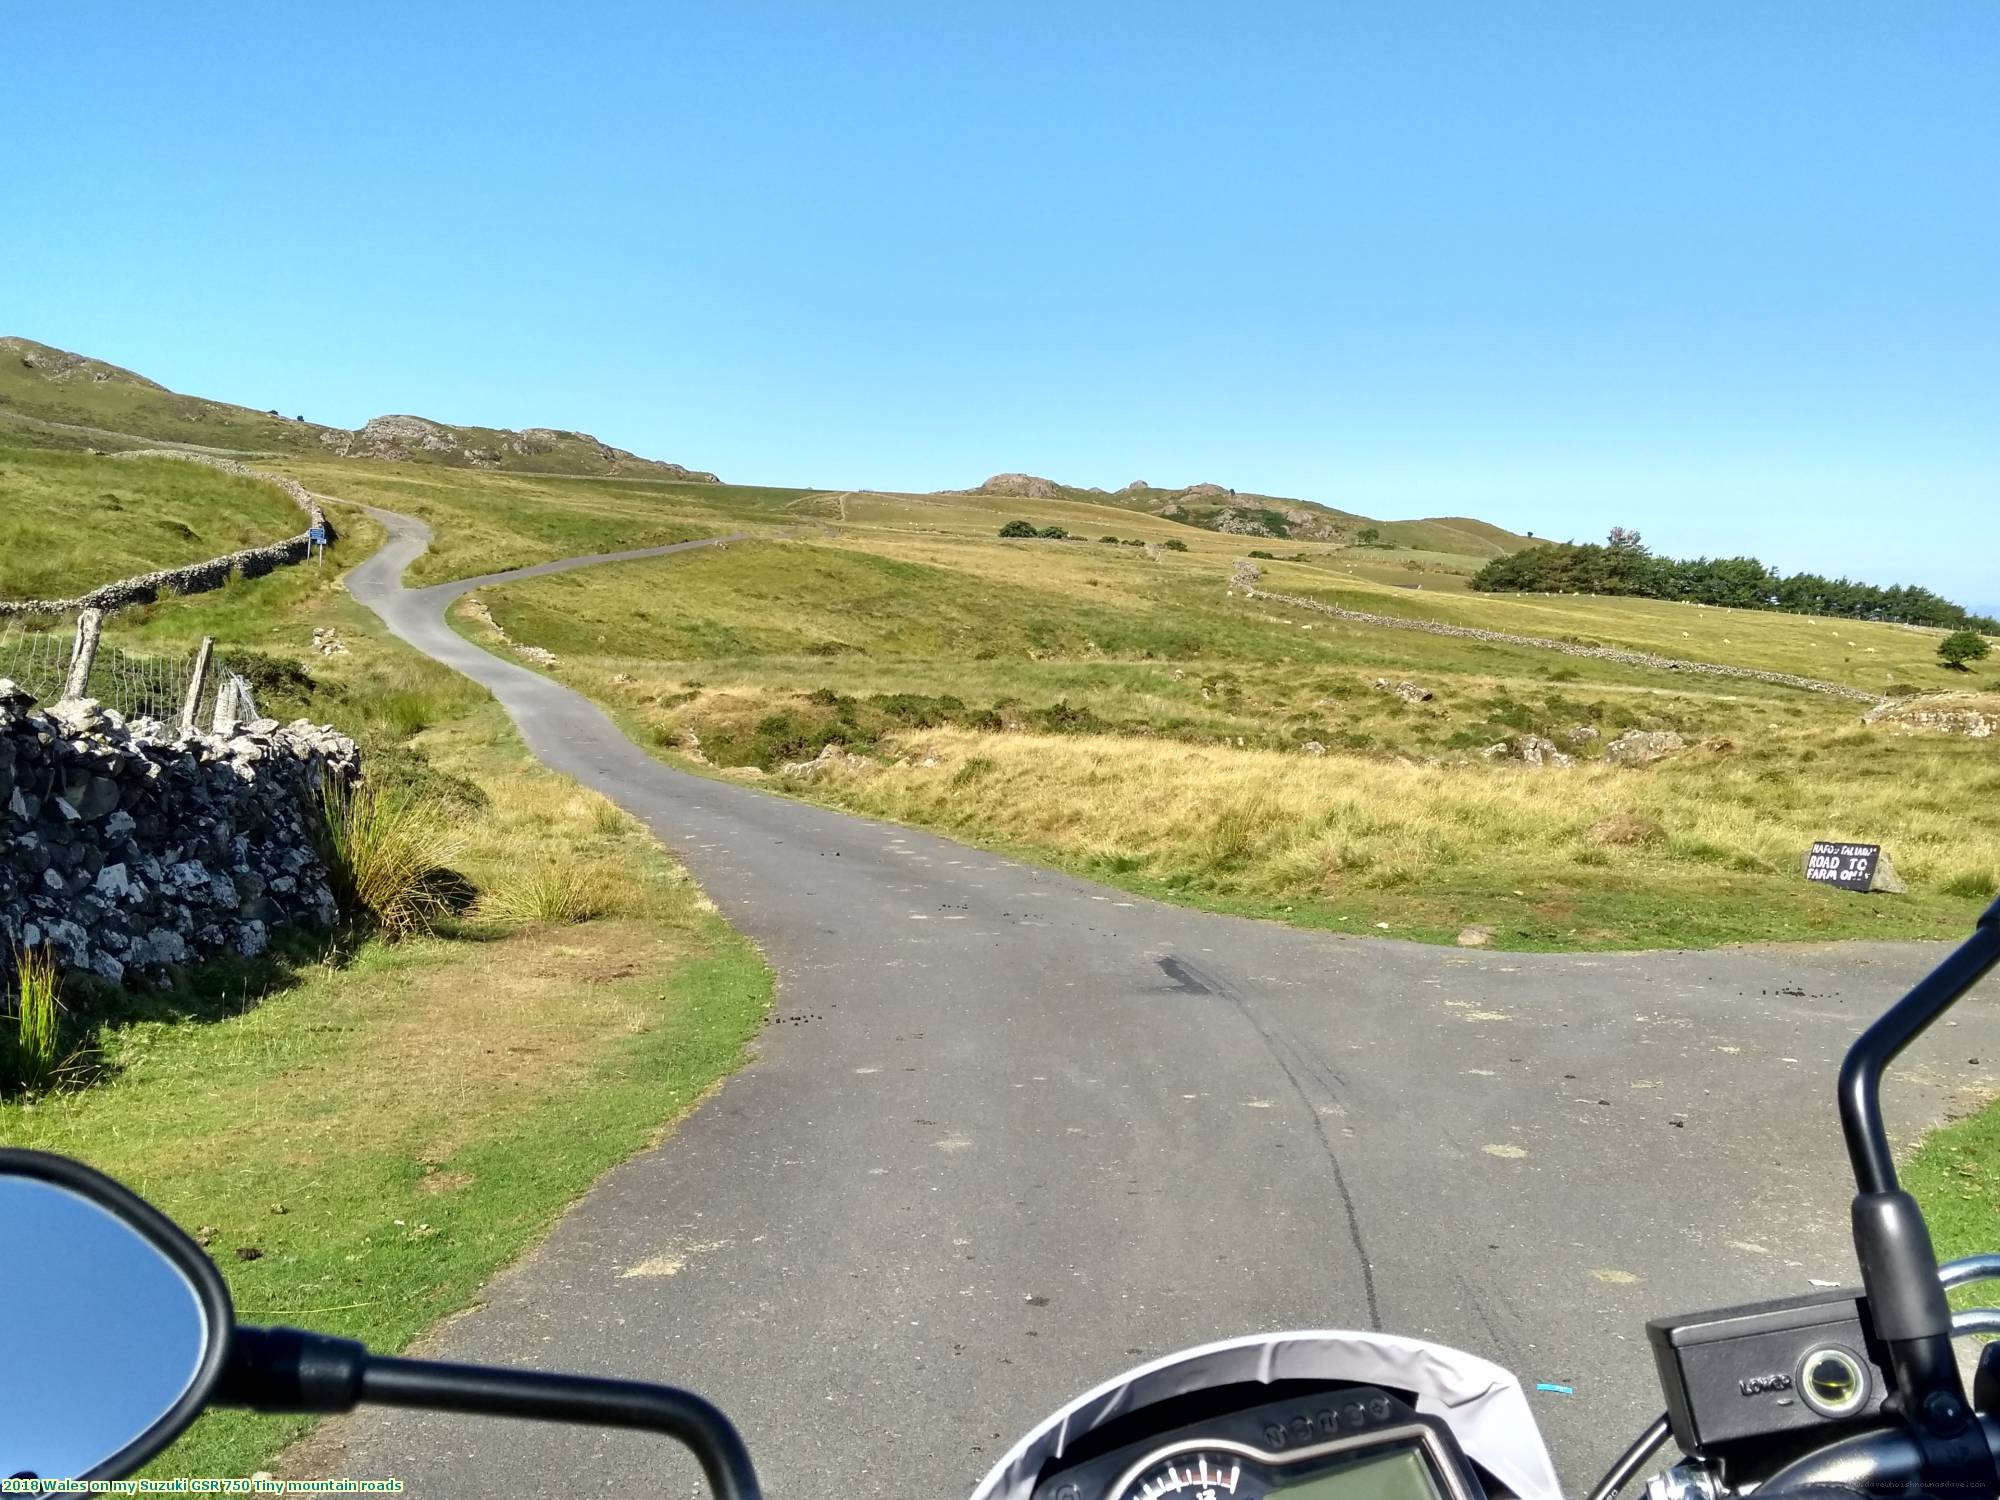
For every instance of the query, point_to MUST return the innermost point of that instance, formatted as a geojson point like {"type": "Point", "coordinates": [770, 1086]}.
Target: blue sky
{"type": "Point", "coordinates": [1728, 274]}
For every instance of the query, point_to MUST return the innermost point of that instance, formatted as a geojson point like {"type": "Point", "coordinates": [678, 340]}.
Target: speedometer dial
{"type": "Point", "coordinates": [1188, 1476]}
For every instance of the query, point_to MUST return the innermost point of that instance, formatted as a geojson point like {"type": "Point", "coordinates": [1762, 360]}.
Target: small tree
{"type": "Point", "coordinates": [1368, 536]}
{"type": "Point", "coordinates": [1017, 528]}
{"type": "Point", "coordinates": [1053, 533]}
{"type": "Point", "coordinates": [1963, 647]}
{"type": "Point", "coordinates": [1174, 544]}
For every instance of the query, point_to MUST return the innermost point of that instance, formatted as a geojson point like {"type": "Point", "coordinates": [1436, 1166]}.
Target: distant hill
{"type": "Point", "coordinates": [1242, 513]}
{"type": "Point", "coordinates": [53, 397]}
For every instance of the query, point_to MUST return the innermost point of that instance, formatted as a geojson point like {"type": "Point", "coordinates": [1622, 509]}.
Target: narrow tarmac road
{"type": "Point", "coordinates": [1009, 1132]}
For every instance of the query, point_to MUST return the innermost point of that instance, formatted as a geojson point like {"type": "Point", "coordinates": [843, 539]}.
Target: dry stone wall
{"type": "Point", "coordinates": [195, 578]}
{"type": "Point", "coordinates": [126, 848]}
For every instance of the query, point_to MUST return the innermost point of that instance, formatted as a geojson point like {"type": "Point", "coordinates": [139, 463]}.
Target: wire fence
{"type": "Point", "coordinates": [150, 685]}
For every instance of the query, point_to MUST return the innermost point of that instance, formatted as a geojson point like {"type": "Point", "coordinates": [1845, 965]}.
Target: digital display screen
{"type": "Point", "coordinates": [1402, 1474]}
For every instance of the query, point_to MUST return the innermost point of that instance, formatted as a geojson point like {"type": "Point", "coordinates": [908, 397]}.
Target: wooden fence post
{"type": "Point", "coordinates": [89, 626]}
{"type": "Point", "coordinates": [196, 684]}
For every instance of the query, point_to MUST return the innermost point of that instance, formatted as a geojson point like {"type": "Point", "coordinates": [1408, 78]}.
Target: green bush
{"type": "Point", "coordinates": [1132, 541]}
{"type": "Point", "coordinates": [1061, 717]}
{"type": "Point", "coordinates": [273, 680]}
{"type": "Point", "coordinates": [1018, 528]}
{"type": "Point", "coordinates": [1111, 539]}
{"type": "Point", "coordinates": [1053, 533]}
{"type": "Point", "coordinates": [1963, 647]}
{"type": "Point", "coordinates": [405, 771]}
{"type": "Point", "coordinates": [1259, 552]}
{"type": "Point", "coordinates": [1174, 544]}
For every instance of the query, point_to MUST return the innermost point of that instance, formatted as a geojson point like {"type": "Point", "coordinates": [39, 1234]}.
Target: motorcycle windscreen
{"type": "Point", "coordinates": [1481, 1402]}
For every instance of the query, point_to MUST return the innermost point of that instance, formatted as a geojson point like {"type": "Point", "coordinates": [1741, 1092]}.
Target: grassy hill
{"type": "Point", "coordinates": [72, 521]}
{"type": "Point", "coordinates": [51, 397]}
{"type": "Point", "coordinates": [1122, 710]}
{"type": "Point", "coordinates": [1214, 508]}
{"type": "Point", "coordinates": [1128, 715]}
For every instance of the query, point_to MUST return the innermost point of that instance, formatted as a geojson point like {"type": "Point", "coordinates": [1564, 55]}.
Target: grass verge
{"type": "Point", "coordinates": [363, 1146]}
{"type": "Point", "coordinates": [1955, 1175]}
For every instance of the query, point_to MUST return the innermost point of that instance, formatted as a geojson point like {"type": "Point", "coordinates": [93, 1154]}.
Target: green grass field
{"type": "Point", "coordinates": [72, 521]}
{"type": "Point", "coordinates": [904, 628]}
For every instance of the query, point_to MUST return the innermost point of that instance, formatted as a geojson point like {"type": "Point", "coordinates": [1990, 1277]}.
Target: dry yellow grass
{"type": "Point", "coordinates": [1704, 847]}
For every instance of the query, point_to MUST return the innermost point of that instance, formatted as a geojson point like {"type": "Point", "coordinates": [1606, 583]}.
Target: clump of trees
{"type": "Point", "coordinates": [1624, 565]}
{"type": "Point", "coordinates": [1962, 648]}
{"type": "Point", "coordinates": [1028, 529]}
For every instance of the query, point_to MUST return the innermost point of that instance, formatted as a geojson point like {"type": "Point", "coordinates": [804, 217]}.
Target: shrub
{"type": "Point", "coordinates": [388, 857]}
{"type": "Point", "coordinates": [1061, 718]}
{"type": "Point", "coordinates": [406, 771]}
{"type": "Point", "coordinates": [1174, 544]}
{"type": "Point", "coordinates": [1963, 647]}
{"type": "Point", "coordinates": [272, 679]}
{"type": "Point", "coordinates": [553, 894]}
{"type": "Point", "coordinates": [1259, 552]}
{"type": "Point", "coordinates": [1018, 528]}
{"type": "Point", "coordinates": [1053, 533]}
{"type": "Point", "coordinates": [1111, 539]}
{"type": "Point", "coordinates": [1132, 541]}
{"type": "Point", "coordinates": [31, 1048]}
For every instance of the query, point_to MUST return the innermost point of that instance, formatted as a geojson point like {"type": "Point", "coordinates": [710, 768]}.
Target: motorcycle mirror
{"type": "Point", "coordinates": [115, 1324]}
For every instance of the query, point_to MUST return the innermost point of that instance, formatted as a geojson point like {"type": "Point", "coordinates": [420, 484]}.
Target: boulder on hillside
{"type": "Point", "coordinates": [1640, 747]}
{"type": "Point", "coordinates": [1534, 750]}
{"type": "Point", "coordinates": [1409, 692]}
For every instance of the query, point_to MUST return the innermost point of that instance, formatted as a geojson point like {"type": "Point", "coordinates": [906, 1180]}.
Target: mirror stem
{"type": "Point", "coordinates": [289, 1370]}
{"type": "Point", "coordinates": [1902, 1023]}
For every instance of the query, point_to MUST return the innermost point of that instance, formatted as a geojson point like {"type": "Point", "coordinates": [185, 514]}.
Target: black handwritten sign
{"type": "Point", "coordinates": [1849, 866]}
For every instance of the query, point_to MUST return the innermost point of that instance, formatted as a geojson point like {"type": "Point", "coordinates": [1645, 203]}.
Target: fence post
{"type": "Point", "coordinates": [225, 705]}
{"type": "Point", "coordinates": [196, 684]}
{"type": "Point", "coordinates": [83, 653]}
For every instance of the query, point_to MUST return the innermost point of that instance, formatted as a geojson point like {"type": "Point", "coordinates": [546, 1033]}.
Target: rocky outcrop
{"type": "Point", "coordinates": [1973, 715]}
{"type": "Point", "coordinates": [126, 849]}
{"type": "Point", "coordinates": [1023, 486]}
{"type": "Point", "coordinates": [1567, 648]}
{"type": "Point", "coordinates": [195, 578]}
{"type": "Point", "coordinates": [833, 756]}
{"type": "Point", "coordinates": [1641, 747]}
{"type": "Point", "coordinates": [541, 656]}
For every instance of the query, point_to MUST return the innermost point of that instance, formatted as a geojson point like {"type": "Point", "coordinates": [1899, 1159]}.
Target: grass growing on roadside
{"type": "Point", "coordinates": [552, 894]}
{"type": "Point", "coordinates": [1698, 850]}
{"type": "Point", "coordinates": [386, 1131]}
{"type": "Point", "coordinates": [1955, 1175]}
{"type": "Point", "coordinates": [31, 1043]}
{"type": "Point", "coordinates": [389, 857]}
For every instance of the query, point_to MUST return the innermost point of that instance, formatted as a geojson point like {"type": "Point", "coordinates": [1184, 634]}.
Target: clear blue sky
{"type": "Point", "coordinates": [1727, 273]}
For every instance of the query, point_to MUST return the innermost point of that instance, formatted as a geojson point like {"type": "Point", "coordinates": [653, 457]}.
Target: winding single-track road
{"type": "Point", "coordinates": [1009, 1132]}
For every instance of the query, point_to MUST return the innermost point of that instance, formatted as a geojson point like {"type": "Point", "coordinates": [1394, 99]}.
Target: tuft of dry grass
{"type": "Point", "coordinates": [558, 892]}
{"type": "Point", "coordinates": [389, 856]}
